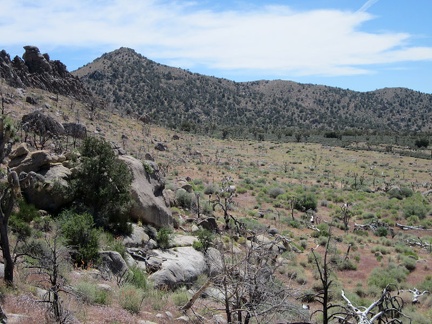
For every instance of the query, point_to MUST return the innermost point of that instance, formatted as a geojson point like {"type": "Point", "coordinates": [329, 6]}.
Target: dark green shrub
{"type": "Point", "coordinates": [406, 192]}
{"type": "Point", "coordinates": [346, 265]}
{"type": "Point", "coordinates": [20, 220]}
{"type": "Point", "coordinates": [205, 240]}
{"type": "Point", "coordinates": [163, 237]}
{"type": "Point", "coordinates": [422, 142]}
{"type": "Point", "coordinates": [381, 231]}
{"type": "Point", "coordinates": [294, 223]}
{"type": "Point", "coordinates": [332, 134]}
{"type": "Point", "coordinates": [324, 229]}
{"type": "Point", "coordinates": [306, 201]}
{"type": "Point", "coordinates": [81, 235]}
{"type": "Point", "coordinates": [395, 193]}
{"type": "Point", "coordinates": [102, 185]}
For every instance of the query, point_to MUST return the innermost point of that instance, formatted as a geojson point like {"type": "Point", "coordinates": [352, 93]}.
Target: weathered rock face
{"type": "Point", "coordinates": [48, 189]}
{"type": "Point", "coordinates": [35, 61]}
{"type": "Point", "coordinates": [181, 266]}
{"type": "Point", "coordinates": [149, 205]}
{"type": "Point", "coordinates": [112, 263]}
{"type": "Point", "coordinates": [138, 237]}
{"type": "Point", "coordinates": [33, 161]}
{"type": "Point", "coordinates": [43, 179]}
{"type": "Point", "coordinates": [37, 70]}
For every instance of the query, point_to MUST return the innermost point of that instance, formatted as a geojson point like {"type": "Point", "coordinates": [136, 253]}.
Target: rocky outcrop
{"type": "Point", "coordinates": [112, 263]}
{"type": "Point", "coordinates": [35, 61]}
{"type": "Point", "coordinates": [42, 124]}
{"type": "Point", "coordinates": [138, 237]}
{"type": "Point", "coordinates": [43, 178]}
{"type": "Point", "coordinates": [33, 161]}
{"type": "Point", "coordinates": [147, 188]}
{"type": "Point", "coordinates": [179, 267]}
{"type": "Point", "coordinates": [48, 189]}
{"type": "Point", "coordinates": [37, 70]}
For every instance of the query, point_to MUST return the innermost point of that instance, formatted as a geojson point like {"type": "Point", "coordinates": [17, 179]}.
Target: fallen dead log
{"type": "Point", "coordinates": [416, 228]}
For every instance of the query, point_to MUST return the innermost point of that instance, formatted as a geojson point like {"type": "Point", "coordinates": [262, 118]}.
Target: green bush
{"type": "Point", "coordinates": [111, 243]}
{"type": "Point", "coordinates": [19, 221]}
{"type": "Point", "coordinates": [137, 278]}
{"type": "Point", "coordinates": [395, 193]}
{"type": "Point", "coordinates": [163, 237]}
{"type": "Point", "coordinates": [80, 234]}
{"type": "Point", "coordinates": [211, 189]}
{"type": "Point", "coordinates": [274, 192]}
{"type": "Point", "coordinates": [102, 185]}
{"type": "Point", "coordinates": [345, 265]}
{"type": "Point", "coordinates": [406, 192]}
{"type": "Point", "coordinates": [416, 206]}
{"type": "Point", "coordinates": [392, 275]}
{"type": "Point", "coordinates": [205, 240]}
{"type": "Point", "coordinates": [253, 225]}
{"type": "Point", "coordinates": [184, 199]}
{"type": "Point", "coordinates": [422, 142]}
{"type": "Point", "coordinates": [381, 231]}
{"type": "Point", "coordinates": [409, 263]}
{"type": "Point", "coordinates": [92, 294]}
{"type": "Point", "coordinates": [306, 201]}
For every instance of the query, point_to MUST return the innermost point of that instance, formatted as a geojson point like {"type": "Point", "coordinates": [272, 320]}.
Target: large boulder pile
{"type": "Point", "coordinates": [43, 177]}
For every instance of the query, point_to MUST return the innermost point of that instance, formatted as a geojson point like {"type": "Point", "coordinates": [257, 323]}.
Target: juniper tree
{"type": "Point", "coordinates": [103, 185]}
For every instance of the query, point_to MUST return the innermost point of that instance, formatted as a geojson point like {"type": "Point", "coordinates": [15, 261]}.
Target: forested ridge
{"type": "Point", "coordinates": [178, 98]}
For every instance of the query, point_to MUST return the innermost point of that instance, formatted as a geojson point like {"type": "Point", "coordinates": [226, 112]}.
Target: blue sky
{"type": "Point", "coordinates": [361, 45]}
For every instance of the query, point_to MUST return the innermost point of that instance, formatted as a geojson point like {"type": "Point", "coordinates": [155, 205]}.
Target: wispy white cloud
{"type": "Point", "coordinates": [275, 39]}
{"type": "Point", "coordinates": [367, 5]}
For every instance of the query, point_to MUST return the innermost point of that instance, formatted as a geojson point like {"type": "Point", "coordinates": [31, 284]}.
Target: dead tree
{"type": "Point", "coordinates": [387, 309]}
{"type": "Point", "coordinates": [416, 294]}
{"type": "Point", "coordinates": [324, 272]}
{"type": "Point", "coordinates": [224, 200]}
{"type": "Point", "coordinates": [247, 287]}
{"type": "Point", "coordinates": [50, 258]}
{"type": "Point", "coordinates": [7, 202]}
{"type": "Point", "coordinates": [6, 132]}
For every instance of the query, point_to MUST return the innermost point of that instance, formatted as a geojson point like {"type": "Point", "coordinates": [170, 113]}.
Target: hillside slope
{"type": "Point", "coordinates": [173, 97]}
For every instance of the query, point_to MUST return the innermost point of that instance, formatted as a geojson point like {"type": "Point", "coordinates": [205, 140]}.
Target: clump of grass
{"type": "Point", "coordinates": [137, 278]}
{"type": "Point", "coordinates": [92, 294]}
{"type": "Point", "coordinates": [130, 298]}
{"type": "Point", "coordinates": [180, 297]}
{"type": "Point", "coordinates": [156, 298]}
